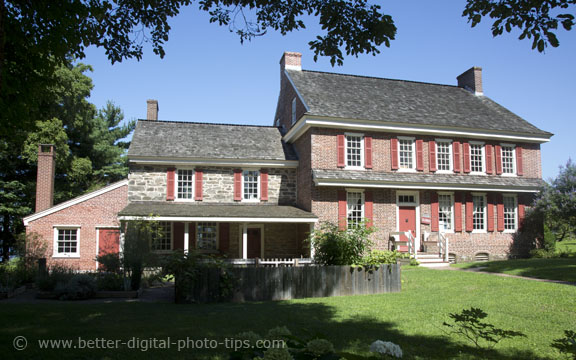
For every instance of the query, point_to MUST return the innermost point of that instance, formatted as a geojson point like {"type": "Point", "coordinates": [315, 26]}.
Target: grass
{"type": "Point", "coordinates": [412, 318]}
{"type": "Point", "coordinates": [566, 246]}
{"type": "Point", "coordinates": [563, 269]}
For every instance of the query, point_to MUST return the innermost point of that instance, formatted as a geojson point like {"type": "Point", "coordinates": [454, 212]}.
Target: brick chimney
{"type": "Point", "coordinates": [152, 110]}
{"type": "Point", "coordinates": [471, 80]}
{"type": "Point", "coordinates": [45, 177]}
{"type": "Point", "coordinates": [291, 61]}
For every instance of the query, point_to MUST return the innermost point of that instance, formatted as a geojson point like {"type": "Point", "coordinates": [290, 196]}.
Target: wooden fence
{"type": "Point", "coordinates": [285, 283]}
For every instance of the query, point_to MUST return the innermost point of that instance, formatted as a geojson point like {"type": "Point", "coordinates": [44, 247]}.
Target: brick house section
{"type": "Point", "coordinates": [97, 212]}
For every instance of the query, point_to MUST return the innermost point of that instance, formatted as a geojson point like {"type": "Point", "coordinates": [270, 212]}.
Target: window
{"type": "Point", "coordinates": [185, 184]}
{"type": "Point", "coordinates": [354, 151]}
{"type": "Point", "coordinates": [479, 212]}
{"type": "Point", "coordinates": [355, 213]}
{"type": "Point", "coordinates": [445, 203]}
{"type": "Point", "coordinates": [250, 185]}
{"type": "Point", "coordinates": [508, 159]}
{"type": "Point", "coordinates": [67, 242]}
{"type": "Point", "coordinates": [476, 158]}
{"type": "Point", "coordinates": [406, 199]}
{"type": "Point", "coordinates": [444, 155]}
{"type": "Point", "coordinates": [293, 110]}
{"type": "Point", "coordinates": [162, 240]}
{"type": "Point", "coordinates": [509, 212]}
{"type": "Point", "coordinates": [406, 153]}
{"type": "Point", "coordinates": [207, 235]}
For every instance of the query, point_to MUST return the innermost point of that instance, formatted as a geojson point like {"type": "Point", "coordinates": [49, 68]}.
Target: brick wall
{"type": "Point", "coordinates": [148, 183]}
{"type": "Point", "coordinates": [305, 184]}
{"type": "Point", "coordinates": [101, 210]}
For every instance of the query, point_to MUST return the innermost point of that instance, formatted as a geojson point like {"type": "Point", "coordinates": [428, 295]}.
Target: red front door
{"type": "Point", "coordinates": [254, 243]}
{"type": "Point", "coordinates": [407, 218]}
{"type": "Point", "coordinates": [109, 241]}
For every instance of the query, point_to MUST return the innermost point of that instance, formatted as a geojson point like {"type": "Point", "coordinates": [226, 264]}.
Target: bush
{"type": "Point", "coordinates": [333, 246]}
{"type": "Point", "coordinates": [110, 262]}
{"type": "Point", "coordinates": [542, 253]}
{"type": "Point", "coordinates": [79, 287]}
{"type": "Point", "coordinates": [57, 274]}
{"type": "Point", "coordinates": [14, 274]}
{"type": "Point", "coordinates": [377, 257]}
{"type": "Point", "coordinates": [109, 282]}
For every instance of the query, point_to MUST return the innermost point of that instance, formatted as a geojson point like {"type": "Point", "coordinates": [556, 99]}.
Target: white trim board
{"type": "Point", "coordinates": [212, 162]}
{"type": "Point", "coordinates": [74, 201]}
{"type": "Point", "coordinates": [220, 219]}
{"type": "Point", "coordinates": [306, 122]}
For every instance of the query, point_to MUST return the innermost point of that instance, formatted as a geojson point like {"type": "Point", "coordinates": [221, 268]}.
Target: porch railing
{"type": "Point", "coordinates": [443, 245]}
{"type": "Point", "coordinates": [411, 243]}
{"type": "Point", "coordinates": [272, 262]}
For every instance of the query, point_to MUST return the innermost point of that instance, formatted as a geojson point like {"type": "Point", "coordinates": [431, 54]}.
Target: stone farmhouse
{"type": "Point", "coordinates": [438, 169]}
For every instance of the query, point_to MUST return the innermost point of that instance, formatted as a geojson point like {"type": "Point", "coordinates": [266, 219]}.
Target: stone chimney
{"type": "Point", "coordinates": [45, 177]}
{"type": "Point", "coordinates": [471, 80]}
{"type": "Point", "coordinates": [152, 110]}
{"type": "Point", "coordinates": [291, 61]}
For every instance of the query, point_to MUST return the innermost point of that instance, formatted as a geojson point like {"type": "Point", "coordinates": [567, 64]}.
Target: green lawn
{"type": "Point", "coordinates": [412, 318]}
{"type": "Point", "coordinates": [555, 269]}
{"type": "Point", "coordinates": [566, 246]}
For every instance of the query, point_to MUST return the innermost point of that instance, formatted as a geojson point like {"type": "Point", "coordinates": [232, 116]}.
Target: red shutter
{"type": "Point", "coordinates": [224, 237]}
{"type": "Point", "coordinates": [369, 207]}
{"type": "Point", "coordinates": [237, 185]}
{"type": "Point", "coordinates": [434, 210]}
{"type": "Point", "coordinates": [341, 151]}
{"type": "Point", "coordinates": [394, 153]}
{"type": "Point", "coordinates": [490, 212]}
{"type": "Point", "coordinates": [432, 153]}
{"type": "Point", "coordinates": [264, 185]}
{"type": "Point", "coordinates": [489, 167]}
{"type": "Point", "coordinates": [420, 155]}
{"type": "Point", "coordinates": [457, 212]}
{"type": "Point", "coordinates": [466, 153]}
{"type": "Point", "coordinates": [519, 163]}
{"type": "Point", "coordinates": [456, 151]}
{"type": "Point", "coordinates": [498, 159]}
{"type": "Point", "coordinates": [368, 152]}
{"type": "Point", "coordinates": [342, 210]}
{"type": "Point", "coordinates": [500, 215]}
{"type": "Point", "coordinates": [170, 175]}
{"type": "Point", "coordinates": [469, 212]}
{"type": "Point", "coordinates": [198, 183]}
{"type": "Point", "coordinates": [521, 214]}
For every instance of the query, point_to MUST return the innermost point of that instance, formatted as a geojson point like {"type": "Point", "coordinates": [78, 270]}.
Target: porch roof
{"type": "Point", "coordinates": [178, 211]}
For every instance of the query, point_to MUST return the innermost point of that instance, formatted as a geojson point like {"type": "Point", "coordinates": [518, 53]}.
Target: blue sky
{"type": "Point", "coordinates": [208, 76]}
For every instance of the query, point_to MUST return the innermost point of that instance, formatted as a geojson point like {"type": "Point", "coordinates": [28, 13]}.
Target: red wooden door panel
{"type": "Point", "coordinates": [407, 219]}
{"type": "Point", "coordinates": [108, 242]}
{"type": "Point", "coordinates": [254, 243]}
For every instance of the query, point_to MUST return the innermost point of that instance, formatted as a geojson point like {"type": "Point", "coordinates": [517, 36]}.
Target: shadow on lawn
{"type": "Point", "coordinates": [354, 335]}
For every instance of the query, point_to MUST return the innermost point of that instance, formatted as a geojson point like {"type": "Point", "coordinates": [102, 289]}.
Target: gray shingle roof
{"type": "Point", "coordinates": [213, 141]}
{"type": "Point", "coordinates": [163, 208]}
{"type": "Point", "coordinates": [440, 179]}
{"type": "Point", "coordinates": [398, 101]}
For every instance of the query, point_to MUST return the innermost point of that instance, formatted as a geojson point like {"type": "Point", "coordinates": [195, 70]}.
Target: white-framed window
{"type": "Point", "coordinates": [207, 236]}
{"type": "Point", "coordinates": [354, 151]}
{"type": "Point", "coordinates": [162, 239]}
{"type": "Point", "coordinates": [479, 212]}
{"type": "Point", "coordinates": [406, 199]}
{"type": "Point", "coordinates": [355, 208]}
{"type": "Point", "coordinates": [294, 110]}
{"type": "Point", "coordinates": [477, 157]}
{"type": "Point", "coordinates": [444, 155]}
{"type": "Point", "coordinates": [508, 158]}
{"type": "Point", "coordinates": [406, 153]}
{"type": "Point", "coordinates": [446, 211]}
{"type": "Point", "coordinates": [66, 241]}
{"type": "Point", "coordinates": [510, 213]}
{"type": "Point", "coordinates": [250, 185]}
{"type": "Point", "coordinates": [185, 184]}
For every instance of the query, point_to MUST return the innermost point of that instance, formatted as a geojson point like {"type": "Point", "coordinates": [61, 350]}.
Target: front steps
{"type": "Point", "coordinates": [431, 260]}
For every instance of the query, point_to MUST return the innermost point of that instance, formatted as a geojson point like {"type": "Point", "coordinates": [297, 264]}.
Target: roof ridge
{"type": "Point", "coordinates": [379, 78]}
{"type": "Point", "coordinates": [205, 123]}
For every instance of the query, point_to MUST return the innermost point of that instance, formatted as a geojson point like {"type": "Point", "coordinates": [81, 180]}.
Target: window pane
{"type": "Point", "coordinates": [476, 158]}
{"type": "Point", "coordinates": [443, 155]}
{"type": "Point", "coordinates": [67, 241]}
{"type": "Point", "coordinates": [355, 209]}
{"type": "Point", "coordinates": [163, 239]}
{"type": "Point", "coordinates": [479, 215]}
{"type": "Point", "coordinates": [445, 211]}
{"type": "Point", "coordinates": [185, 183]}
{"type": "Point", "coordinates": [250, 185]}
{"type": "Point", "coordinates": [207, 236]}
{"type": "Point", "coordinates": [406, 153]}
{"type": "Point", "coordinates": [507, 159]}
{"type": "Point", "coordinates": [354, 150]}
{"type": "Point", "coordinates": [509, 213]}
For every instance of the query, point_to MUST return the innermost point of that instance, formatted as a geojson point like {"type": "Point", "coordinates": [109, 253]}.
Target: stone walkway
{"type": "Point", "coordinates": [480, 270]}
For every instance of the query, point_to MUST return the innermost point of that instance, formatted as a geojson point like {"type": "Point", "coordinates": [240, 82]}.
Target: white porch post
{"type": "Point", "coordinates": [244, 241]}
{"type": "Point", "coordinates": [186, 237]}
{"type": "Point", "coordinates": [311, 243]}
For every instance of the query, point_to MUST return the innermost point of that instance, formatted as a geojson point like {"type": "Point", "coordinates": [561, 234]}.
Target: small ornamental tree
{"type": "Point", "coordinates": [333, 246]}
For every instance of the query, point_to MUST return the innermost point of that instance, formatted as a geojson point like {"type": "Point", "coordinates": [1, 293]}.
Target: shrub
{"type": "Point", "coordinates": [56, 274]}
{"type": "Point", "coordinates": [377, 257]}
{"type": "Point", "coordinates": [79, 287]}
{"type": "Point", "coordinates": [110, 262]}
{"type": "Point", "coordinates": [333, 246]}
{"type": "Point", "coordinates": [414, 262]}
{"type": "Point", "coordinates": [542, 253]}
{"type": "Point", "coordinates": [109, 282]}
